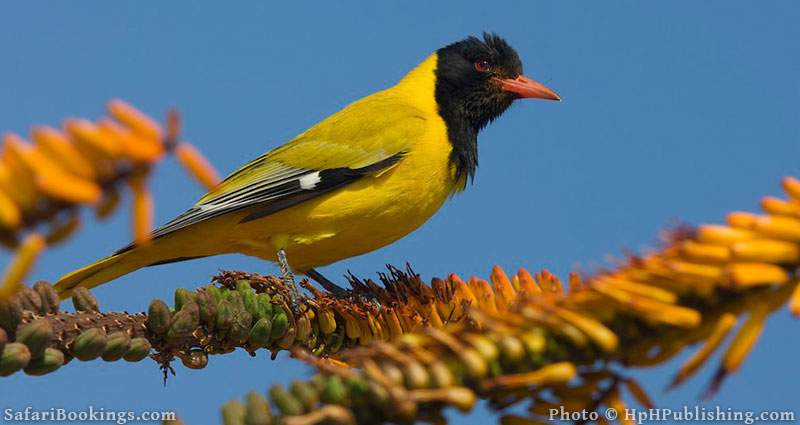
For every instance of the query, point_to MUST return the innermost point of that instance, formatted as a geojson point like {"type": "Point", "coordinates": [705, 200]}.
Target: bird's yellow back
{"type": "Point", "coordinates": [378, 209]}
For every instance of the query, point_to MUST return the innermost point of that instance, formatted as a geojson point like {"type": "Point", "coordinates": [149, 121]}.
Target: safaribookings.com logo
{"type": "Point", "coordinates": [90, 414]}
{"type": "Point", "coordinates": [685, 414]}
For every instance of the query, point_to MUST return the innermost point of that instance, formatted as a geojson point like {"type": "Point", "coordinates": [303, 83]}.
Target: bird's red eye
{"type": "Point", "coordinates": [482, 66]}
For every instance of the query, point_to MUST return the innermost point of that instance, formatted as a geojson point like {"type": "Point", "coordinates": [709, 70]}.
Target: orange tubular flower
{"type": "Point", "coordinates": [10, 215]}
{"type": "Point", "coordinates": [135, 120]}
{"type": "Point", "coordinates": [90, 140]}
{"type": "Point", "coordinates": [57, 146]}
{"type": "Point", "coordinates": [142, 209]}
{"type": "Point", "coordinates": [197, 165]}
{"type": "Point", "coordinates": [134, 146]}
{"type": "Point", "coordinates": [26, 256]}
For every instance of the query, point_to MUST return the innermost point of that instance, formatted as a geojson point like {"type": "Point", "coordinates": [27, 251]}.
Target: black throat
{"type": "Point", "coordinates": [462, 131]}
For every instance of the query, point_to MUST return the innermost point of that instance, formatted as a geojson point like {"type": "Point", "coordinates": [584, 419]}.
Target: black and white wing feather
{"type": "Point", "coordinates": [285, 187]}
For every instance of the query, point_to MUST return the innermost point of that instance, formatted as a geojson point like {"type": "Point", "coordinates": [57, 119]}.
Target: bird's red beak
{"type": "Point", "coordinates": [524, 87]}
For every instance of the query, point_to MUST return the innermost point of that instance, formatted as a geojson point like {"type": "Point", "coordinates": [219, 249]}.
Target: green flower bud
{"type": "Point", "coordinates": [15, 356]}
{"type": "Point", "coordinates": [49, 296]}
{"type": "Point", "coordinates": [117, 345]}
{"type": "Point", "coordinates": [286, 403]}
{"type": "Point", "coordinates": [224, 318]}
{"type": "Point", "coordinates": [140, 348]}
{"type": "Point", "coordinates": [240, 328]}
{"type": "Point", "coordinates": [235, 299]}
{"type": "Point", "coordinates": [36, 335]}
{"type": "Point", "coordinates": [260, 333]}
{"type": "Point", "coordinates": [10, 314]}
{"type": "Point", "coordinates": [215, 293]}
{"type": "Point", "coordinates": [233, 413]}
{"type": "Point", "coordinates": [280, 324]}
{"type": "Point", "coordinates": [89, 345]}
{"type": "Point", "coordinates": [250, 301]}
{"type": "Point", "coordinates": [306, 393]}
{"type": "Point", "coordinates": [182, 296]}
{"type": "Point", "coordinates": [257, 409]}
{"type": "Point", "coordinates": [184, 322]}
{"type": "Point", "coordinates": [158, 317]}
{"type": "Point", "coordinates": [83, 300]}
{"type": "Point", "coordinates": [50, 361]}
{"type": "Point", "coordinates": [208, 309]}
{"type": "Point", "coordinates": [264, 306]}
{"type": "Point", "coordinates": [334, 391]}
{"type": "Point", "coordinates": [243, 286]}
{"type": "Point", "coordinates": [30, 299]}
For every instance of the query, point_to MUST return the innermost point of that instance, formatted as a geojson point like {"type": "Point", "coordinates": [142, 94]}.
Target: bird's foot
{"type": "Point", "coordinates": [288, 280]}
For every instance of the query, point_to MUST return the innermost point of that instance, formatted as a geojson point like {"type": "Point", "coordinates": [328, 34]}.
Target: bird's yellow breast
{"type": "Point", "coordinates": [375, 210]}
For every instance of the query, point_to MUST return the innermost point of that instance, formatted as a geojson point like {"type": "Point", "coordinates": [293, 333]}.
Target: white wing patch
{"type": "Point", "coordinates": [310, 181]}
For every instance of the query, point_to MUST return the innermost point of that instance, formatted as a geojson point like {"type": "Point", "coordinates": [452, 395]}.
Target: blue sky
{"type": "Point", "coordinates": [677, 110]}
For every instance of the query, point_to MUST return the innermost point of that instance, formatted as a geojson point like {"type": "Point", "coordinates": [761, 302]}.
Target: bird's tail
{"type": "Point", "coordinates": [102, 271]}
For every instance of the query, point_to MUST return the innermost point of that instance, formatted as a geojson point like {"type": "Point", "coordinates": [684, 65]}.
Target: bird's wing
{"type": "Point", "coordinates": [337, 151]}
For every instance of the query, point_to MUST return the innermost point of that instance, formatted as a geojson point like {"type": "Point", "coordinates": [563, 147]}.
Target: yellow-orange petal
{"type": "Point", "coordinates": [90, 139]}
{"type": "Point", "coordinates": [777, 206]}
{"type": "Point", "coordinates": [791, 186]}
{"type": "Point", "coordinates": [197, 165]}
{"type": "Point", "coordinates": [695, 270]}
{"type": "Point", "coordinates": [794, 301]}
{"type": "Point", "coordinates": [724, 324]}
{"type": "Point", "coordinates": [21, 264]}
{"type": "Point", "coordinates": [18, 151]}
{"type": "Point", "coordinates": [650, 309]}
{"type": "Point", "coordinates": [779, 227]}
{"type": "Point", "coordinates": [704, 253]}
{"type": "Point", "coordinates": [767, 251]}
{"type": "Point", "coordinates": [68, 188]}
{"type": "Point", "coordinates": [549, 282]}
{"type": "Point", "coordinates": [133, 145]}
{"type": "Point", "coordinates": [741, 219]}
{"type": "Point", "coordinates": [596, 331]}
{"type": "Point", "coordinates": [463, 293]}
{"type": "Point", "coordinates": [10, 216]}
{"type": "Point", "coordinates": [395, 328]}
{"type": "Point", "coordinates": [551, 374]}
{"type": "Point", "coordinates": [17, 182]}
{"type": "Point", "coordinates": [745, 339]}
{"type": "Point", "coordinates": [722, 235]}
{"type": "Point", "coordinates": [755, 274]}
{"type": "Point", "coordinates": [483, 293]}
{"type": "Point", "coordinates": [527, 283]}
{"type": "Point", "coordinates": [650, 291]}
{"type": "Point", "coordinates": [135, 120]}
{"type": "Point", "coordinates": [505, 294]}
{"type": "Point", "coordinates": [57, 146]}
{"type": "Point", "coordinates": [142, 210]}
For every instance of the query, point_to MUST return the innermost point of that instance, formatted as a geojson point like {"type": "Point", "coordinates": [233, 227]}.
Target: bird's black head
{"type": "Point", "coordinates": [476, 81]}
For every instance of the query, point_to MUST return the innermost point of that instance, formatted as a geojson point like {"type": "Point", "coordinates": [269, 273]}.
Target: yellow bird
{"type": "Point", "coordinates": [359, 180]}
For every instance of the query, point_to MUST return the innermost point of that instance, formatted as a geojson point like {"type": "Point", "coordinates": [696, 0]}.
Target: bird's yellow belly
{"type": "Point", "coordinates": [361, 217]}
